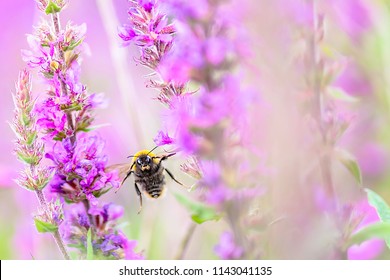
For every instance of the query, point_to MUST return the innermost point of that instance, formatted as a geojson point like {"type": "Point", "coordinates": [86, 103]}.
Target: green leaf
{"type": "Point", "coordinates": [72, 107]}
{"type": "Point", "coordinates": [381, 207]}
{"type": "Point", "coordinates": [73, 45]}
{"type": "Point", "coordinates": [31, 138]}
{"type": "Point", "coordinates": [376, 201]}
{"type": "Point", "coordinates": [200, 213]}
{"type": "Point", "coordinates": [101, 192]}
{"type": "Point", "coordinates": [89, 245]}
{"type": "Point", "coordinates": [350, 162]}
{"type": "Point", "coordinates": [378, 230]}
{"type": "Point", "coordinates": [44, 226]}
{"type": "Point", "coordinates": [26, 120]}
{"type": "Point", "coordinates": [339, 94]}
{"type": "Point", "coordinates": [87, 127]}
{"type": "Point", "coordinates": [52, 8]}
{"type": "Point", "coordinates": [48, 75]}
{"type": "Point", "coordinates": [31, 160]}
{"type": "Point", "coordinates": [60, 136]}
{"type": "Point", "coordinates": [76, 246]}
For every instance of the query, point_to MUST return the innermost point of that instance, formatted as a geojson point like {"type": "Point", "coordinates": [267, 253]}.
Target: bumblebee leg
{"type": "Point", "coordinates": [127, 176]}
{"type": "Point", "coordinates": [140, 197]}
{"type": "Point", "coordinates": [174, 179]}
{"type": "Point", "coordinates": [165, 157]}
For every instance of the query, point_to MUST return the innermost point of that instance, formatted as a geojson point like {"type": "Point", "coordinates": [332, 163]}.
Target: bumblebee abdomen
{"type": "Point", "coordinates": [153, 186]}
{"type": "Point", "coordinates": [155, 193]}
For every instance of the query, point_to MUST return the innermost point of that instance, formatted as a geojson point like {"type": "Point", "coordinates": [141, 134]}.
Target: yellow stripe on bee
{"type": "Point", "coordinates": [144, 153]}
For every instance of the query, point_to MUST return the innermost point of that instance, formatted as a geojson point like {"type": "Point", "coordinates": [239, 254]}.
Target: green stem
{"type": "Point", "coordinates": [324, 160]}
{"type": "Point", "coordinates": [57, 27]}
{"type": "Point", "coordinates": [57, 237]}
{"type": "Point", "coordinates": [185, 242]}
{"type": "Point", "coordinates": [87, 207]}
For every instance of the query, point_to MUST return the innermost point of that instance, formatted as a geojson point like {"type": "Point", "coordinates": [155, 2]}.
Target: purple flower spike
{"type": "Point", "coordinates": [153, 33]}
{"type": "Point", "coordinates": [57, 126]}
{"type": "Point", "coordinates": [200, 46]}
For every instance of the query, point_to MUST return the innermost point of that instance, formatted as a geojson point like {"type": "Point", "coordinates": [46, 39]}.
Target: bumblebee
{"type": "Point", "coordinates": [149, 174]}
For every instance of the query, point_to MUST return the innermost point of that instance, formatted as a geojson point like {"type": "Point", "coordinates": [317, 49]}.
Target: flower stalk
{"type": "Point", "coordinates": [29, 148]}
{"type": "Point", "coordinates": [62, 122]}
{"type": "Point", "coordinates": [318, 107]}
{"type": "Point", "coordinates": [57, 27]}
{"type": "Point", "coordinates": [56, 234]}
{"type": "Point", "coordinates": [185, 242]}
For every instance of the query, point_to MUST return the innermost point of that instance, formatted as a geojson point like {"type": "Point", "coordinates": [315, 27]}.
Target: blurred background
{"type": "Point", "coordinates": [357, 33]}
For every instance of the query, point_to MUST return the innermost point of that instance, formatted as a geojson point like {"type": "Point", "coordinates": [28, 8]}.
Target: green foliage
{"type": "Point", "coordinates": [378, 230]}
{"type": "Point", "coordinates": [89, 245]}
{"type": "Point", "coordinates": [156, 243]}
{"type": "Point", "coordinates": [73, 45]}
{"type": "Point", "coordinates": [6, 240]}
{"type": "Point", "coordinates": [29, 159]}
{"type": "Point", "coordinates": [31, 138]}
{"type": "Point", "coordinates": [350, 162]}
{"type": "Point", "coordinates": [381, 207]}
{"type": "Point", "coordinates": [44, 226]}
{"type": "Point", "coordinates": [52, 8]}
{"type": "Point", "coordinates": [339, 94]}
{"type": "Point", "coordinates": [26, 119]}
{"type": "Point", "coordinates": [200, 213]}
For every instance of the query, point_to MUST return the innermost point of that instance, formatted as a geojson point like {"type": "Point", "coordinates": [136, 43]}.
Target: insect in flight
{"type": "Point", "coordinates": [148, 172]}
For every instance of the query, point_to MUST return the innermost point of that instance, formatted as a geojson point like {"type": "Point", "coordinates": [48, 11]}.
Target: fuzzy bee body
{"type": "Point", "coordinates": [149, 176]}
{"type": "Point", "coordinates": [151, 183]}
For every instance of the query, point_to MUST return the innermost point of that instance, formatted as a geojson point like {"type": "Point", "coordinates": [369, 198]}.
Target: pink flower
{"type": "Point", "coordinates": [353, 16]}
{"type": "Point", "coordinates": [372, 159]}
{"type": "Point", "coordinates": [353, 81]}
{"type": "Point", "coordinates": [163, 138]}
{"type": "Point", "coordinates": [227, 248]}
{"type": "Point", "coordinates": [80, 169]}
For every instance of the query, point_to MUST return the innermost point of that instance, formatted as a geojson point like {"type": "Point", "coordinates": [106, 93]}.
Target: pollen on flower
{"type": "Point", "coordinates": [54, 65]}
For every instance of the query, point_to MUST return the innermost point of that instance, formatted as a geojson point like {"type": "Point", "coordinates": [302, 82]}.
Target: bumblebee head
{"type": "Point", "coordinates": [144, 160]}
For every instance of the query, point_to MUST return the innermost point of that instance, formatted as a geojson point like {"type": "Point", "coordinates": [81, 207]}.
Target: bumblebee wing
{"type": "Point", "coordinates": [123, 170]}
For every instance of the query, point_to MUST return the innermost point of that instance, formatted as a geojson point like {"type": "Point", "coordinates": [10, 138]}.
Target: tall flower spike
{"type": "Point", "coordinates": [68, 112]}
{"type": "Point", "coordinates": [152, 32]}
{"type": "Point", "coordinates": [64, 117]}
{"type": "Point", "coordinates": [29, 147]}
{"type": "Point", "coordinates": [30, 150]}
{"type": "Point", "coordinates": [205, 124]}
{"type": "Point", "coordinates": [211, 124]}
